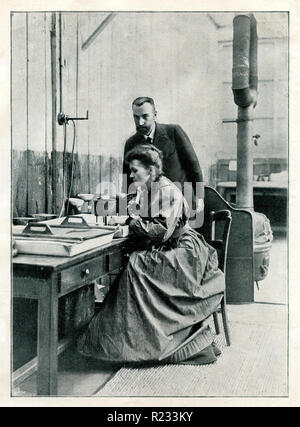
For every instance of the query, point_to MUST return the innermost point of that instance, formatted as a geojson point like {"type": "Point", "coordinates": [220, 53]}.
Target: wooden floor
{"type": "Point", "coordinates": [79, 376]}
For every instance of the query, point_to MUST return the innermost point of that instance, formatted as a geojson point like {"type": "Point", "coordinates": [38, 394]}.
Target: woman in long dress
{"type": "Point", "coordinates": [155, 312]}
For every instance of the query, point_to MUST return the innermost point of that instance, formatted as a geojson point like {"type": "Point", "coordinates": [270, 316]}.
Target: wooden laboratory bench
{"type": "Point", "coordinates": [48, 278]}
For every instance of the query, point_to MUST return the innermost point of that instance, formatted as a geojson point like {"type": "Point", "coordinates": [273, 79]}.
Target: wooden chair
{"type": "Point", "coordinates": [220, 223]}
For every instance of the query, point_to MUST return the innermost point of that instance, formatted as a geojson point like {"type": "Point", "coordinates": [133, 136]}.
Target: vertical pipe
{"type": "Point", "coordinates": [13, 206]}
{"type": "Point", "coordinates": [46, 116]}
{"type": "Point", "coordinates": [27, 154]}
{"type": "Point", "coordinates": [89, 126]}
{"type": "Point", "coordinates": [244, 192]}
{"type": "Point", "coordinates": [54, 112]}
{"type": "Point", "coordinates": [77, 64]}
{"type": "Point", "coordinates": [77, 100]}
{"type": "Point", "coordinates": [60, 63]}
{"type": "Point", "coordinates": [244, 86]}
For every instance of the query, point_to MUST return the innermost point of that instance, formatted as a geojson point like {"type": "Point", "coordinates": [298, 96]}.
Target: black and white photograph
{"type": "Point", "coordinates": [149, 203]}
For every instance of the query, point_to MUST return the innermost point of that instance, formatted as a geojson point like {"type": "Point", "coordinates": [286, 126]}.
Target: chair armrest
{"type": "Point", "coordinates": [224, 217]}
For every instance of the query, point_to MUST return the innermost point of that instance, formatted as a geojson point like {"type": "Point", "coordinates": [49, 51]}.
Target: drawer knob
{"type": "Point", "coordinates": [85, 272]}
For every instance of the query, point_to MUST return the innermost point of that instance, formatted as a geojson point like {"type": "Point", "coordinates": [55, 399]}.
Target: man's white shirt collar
{"type": "Point", "coordinates": [151, 133]}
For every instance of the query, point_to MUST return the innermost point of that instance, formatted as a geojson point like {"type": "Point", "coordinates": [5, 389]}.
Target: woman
{"type": "Point", "coordinates": [156, 310]}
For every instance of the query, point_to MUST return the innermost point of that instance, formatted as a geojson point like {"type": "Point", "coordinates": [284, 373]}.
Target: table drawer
{"type": "Point", "coordinates": [88, 271]}
{"type": "Point", "coordinates": [83, 273]}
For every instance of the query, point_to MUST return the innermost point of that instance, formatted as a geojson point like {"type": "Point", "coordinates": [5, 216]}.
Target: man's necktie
{"type": "Point", "coordinates": [149, 140]}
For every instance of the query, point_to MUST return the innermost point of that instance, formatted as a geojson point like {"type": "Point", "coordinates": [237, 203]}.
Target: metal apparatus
{"type": "Point", "coordinates": [244, 87]}
{"type": "Point", "coordinates": [63, 119]}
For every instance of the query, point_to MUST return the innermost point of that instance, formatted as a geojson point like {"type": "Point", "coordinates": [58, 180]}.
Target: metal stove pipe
{"type": "Point", "coordinates": [244, 87]}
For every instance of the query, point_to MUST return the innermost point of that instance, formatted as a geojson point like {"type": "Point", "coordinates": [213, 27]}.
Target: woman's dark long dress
{"type": "Point", "coordinates": [165, 292]}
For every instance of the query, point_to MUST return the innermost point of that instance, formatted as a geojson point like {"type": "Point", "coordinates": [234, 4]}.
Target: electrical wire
{"type": "Point", "coordinates": [64, 168]}
{"type": "Point", "coordinates": [72, 164]}
{"type": "Point", "coordinates": [64, 172]}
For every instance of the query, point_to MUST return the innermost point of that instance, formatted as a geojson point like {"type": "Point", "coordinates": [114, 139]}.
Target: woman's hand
{"type": "Point", "coordinates": [134, 206]}
{"type": "Point", "coordinates": [133, 209]}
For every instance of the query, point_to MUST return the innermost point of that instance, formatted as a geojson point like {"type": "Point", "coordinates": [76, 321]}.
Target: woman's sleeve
{"type": "Point", "coordinates": [166, 211]}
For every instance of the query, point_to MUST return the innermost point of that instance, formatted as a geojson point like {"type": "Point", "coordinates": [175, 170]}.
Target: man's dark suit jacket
{"type": "Point", "coordinates": [180, 163]}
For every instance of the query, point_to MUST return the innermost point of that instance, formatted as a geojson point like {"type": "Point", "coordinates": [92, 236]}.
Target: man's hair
{"type": "Point", "coordinates": [142, 99]}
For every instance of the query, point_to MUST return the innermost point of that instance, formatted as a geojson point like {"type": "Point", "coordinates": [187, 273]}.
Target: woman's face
{"type": "Point", "coordinates": [139, 173]}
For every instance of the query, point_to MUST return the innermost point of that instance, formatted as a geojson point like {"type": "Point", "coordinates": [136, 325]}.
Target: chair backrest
{"type": "Point", "coordinates": [216, 219]}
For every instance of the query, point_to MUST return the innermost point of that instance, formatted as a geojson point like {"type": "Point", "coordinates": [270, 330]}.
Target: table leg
{"type": "Point", "coordinates": [47, 338]}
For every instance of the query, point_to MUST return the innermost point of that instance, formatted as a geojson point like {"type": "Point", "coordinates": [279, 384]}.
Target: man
{"type": "Point", "coordinates": [180, 163]}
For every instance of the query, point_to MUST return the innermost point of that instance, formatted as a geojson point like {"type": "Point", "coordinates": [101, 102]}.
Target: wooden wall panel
{"type": "Point", "coordinates": [59, 184]}
{"type": "Point", "coordinates": [134, 55]}
{"type": "Point", "coordinates": [95, 58]}
{"type": "Point", "coordinates": [82, 94]}
{"type": "Point", "coordinates": [105, 186]}
{"type": "Point", "coordinates": [48, 115]}
{"type": "Point", "coordinates": [80, 176]}
{"type": "Point", "coordinates": [19, 114]}
{"type": "Point", "coordinates": [19, 183]}
{"type": "Point", "coordinates": [108, 108]}
{"type": "Point", "coordinates": [68, 93]}
{"type": "Point", "coordinates": [69, 60]}
{"type": "Point", "coordinates": [115, 173]}
{"type": "Point", "coordinates": [95, 169]}
{"type": "Point", "coordinates": [75, 102]}
{"type": "Point", "coordinates": [36, 82]}
{"type": "Point", "coordinates": [36, 181]}
{"type": "Point", "coordinates": [19, 82]}
{"type": "Point", "coordinates": [57, 157]}
{"type": "Point", "coordinates": [111, 113]}
{"type": "Point", "coordinates": [59, 77]}
{"type": "Point", "coordinates": [37, 155]}
{"type": "Point", "coordinates": [81, 172]}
